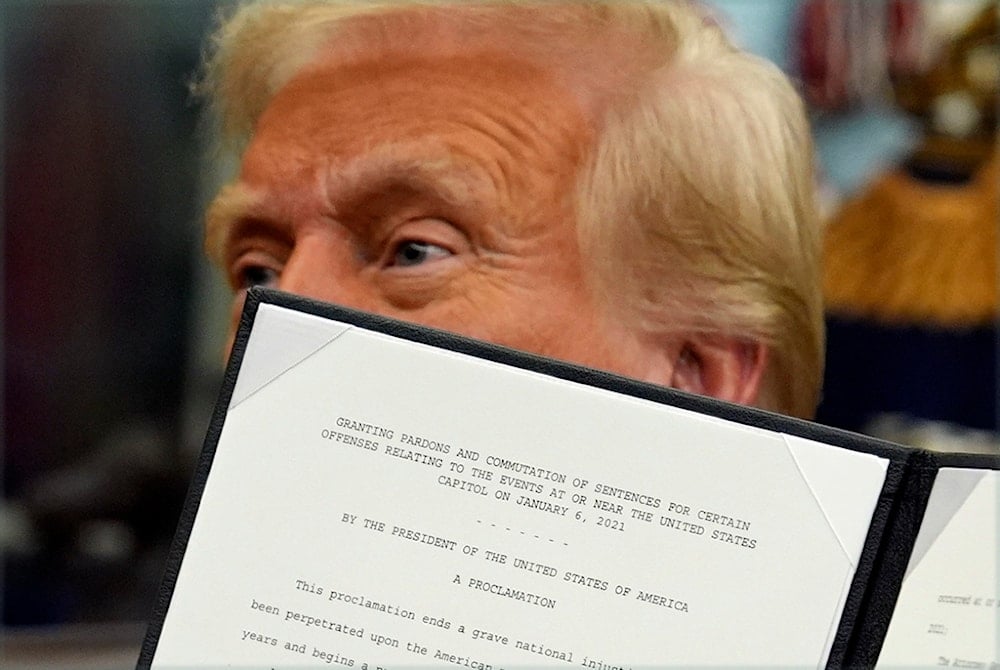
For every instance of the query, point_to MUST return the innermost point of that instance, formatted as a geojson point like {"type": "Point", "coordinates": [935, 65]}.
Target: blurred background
{"type": "Point", "coordinates": [113, 324]}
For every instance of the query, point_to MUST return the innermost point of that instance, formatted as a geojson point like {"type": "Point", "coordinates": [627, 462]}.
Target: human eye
{"type": "Point", "coordinates": [422, 242]}
{"type": "Point", "coordinates": [411, 252]}
{"type": "Point", "coordinates": [418, 259]}
{"type": "Point", "coordinates": [254, 268]}
{"type": "Point", "coordinates": [258, 275]}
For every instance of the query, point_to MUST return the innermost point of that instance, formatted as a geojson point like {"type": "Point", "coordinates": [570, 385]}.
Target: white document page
{"type": "Point", "coordinates": [948, 612]}
{"type": "Point", "coordinates": [387, 504]}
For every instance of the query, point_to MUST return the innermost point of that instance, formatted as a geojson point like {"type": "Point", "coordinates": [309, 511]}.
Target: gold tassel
{"type": "Point", "coordinates": [910, 251]}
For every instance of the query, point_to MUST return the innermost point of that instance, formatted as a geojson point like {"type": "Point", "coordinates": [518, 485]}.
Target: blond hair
{"type": "Point", "coordinates": [695, 209]}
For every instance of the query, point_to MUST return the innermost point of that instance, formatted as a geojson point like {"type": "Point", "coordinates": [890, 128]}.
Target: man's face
{"type": "Point", "coordinates": [437, 191]}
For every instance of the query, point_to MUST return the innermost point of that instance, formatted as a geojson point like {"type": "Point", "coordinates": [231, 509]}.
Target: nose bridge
{"type": "Point", "coordinates": [318, 268]}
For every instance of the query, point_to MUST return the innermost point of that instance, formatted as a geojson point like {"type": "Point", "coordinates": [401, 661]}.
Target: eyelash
{"type": "Point", "coordinates": [255, 266]}
{"type": "Point", "coordinates": [428, 251]}
{"type": "Point", "coordinates": [260, 261]}
{"type": "Point", "coordinates": [266, 276]}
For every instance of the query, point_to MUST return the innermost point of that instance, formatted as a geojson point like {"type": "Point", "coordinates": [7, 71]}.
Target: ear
{"type": "Point", "coordinates": [727, 368]}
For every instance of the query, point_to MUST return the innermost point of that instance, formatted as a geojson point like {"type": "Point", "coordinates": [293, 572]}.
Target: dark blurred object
{"type": "Point", "coordinates": [99, 531]}
{"type": "Point", "coordinates": [911, 276]}
{"type": "Point", "coordinates": [911, 287]}
{"type": "Point", "coordinates": [917, 372]}
{"type": "Point", "coordinates": [126, 478]}
{"type": "Point", "coordinates": [956, 97]}
{"type": "Point", "coordinates": [101, 175]}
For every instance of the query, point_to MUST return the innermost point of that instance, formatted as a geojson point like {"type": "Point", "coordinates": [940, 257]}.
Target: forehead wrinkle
{"type": "Point", "coordinates": [419, 165]}
{"type": "Point", "coordinates": [234, 202]}
{"type": "Point", "coordinates": [538, 133]}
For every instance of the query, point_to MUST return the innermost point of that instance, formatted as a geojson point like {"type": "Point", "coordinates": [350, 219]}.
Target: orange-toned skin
{"type": "Point", "coordinates": [331, 171]}
{"type": "Point", "coordinates": [473, 158]}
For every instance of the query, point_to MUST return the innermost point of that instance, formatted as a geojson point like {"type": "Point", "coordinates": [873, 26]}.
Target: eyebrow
{"type": "Point", "coordinates": [234, 203]}
{"type": "Point", "coordinates": [435, 173]}
{"type": "Point", "coordinates": [380, 170]}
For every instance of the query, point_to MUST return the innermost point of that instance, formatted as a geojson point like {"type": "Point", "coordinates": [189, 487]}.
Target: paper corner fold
{"type": "Point", "coordinates": [280, 340]}
{"type": "Point", "coordinates": [845, 484]}
{"type": "Point", "coordinates": [952, 488]}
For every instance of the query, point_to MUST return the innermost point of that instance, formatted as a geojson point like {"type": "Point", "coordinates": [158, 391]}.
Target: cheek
{"type": "Point", "coordinates": [545, 318]}
{"type": "Point", "coordinates": [594, 346]}
{"type": "Point", "coordinates": [563, 322]}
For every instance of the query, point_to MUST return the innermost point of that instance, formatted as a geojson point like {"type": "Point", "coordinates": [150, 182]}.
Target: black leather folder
{"type": "Point", "coordinates": [369, 487]}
